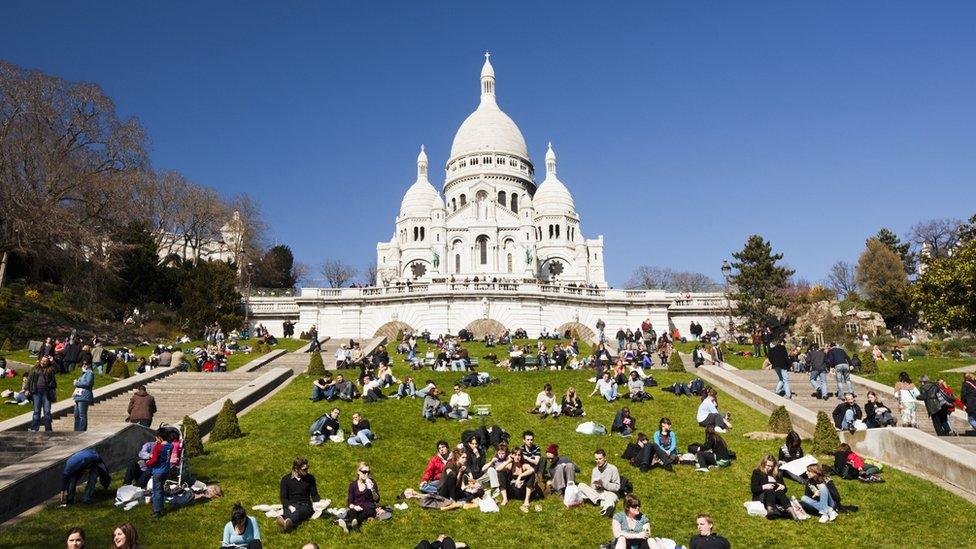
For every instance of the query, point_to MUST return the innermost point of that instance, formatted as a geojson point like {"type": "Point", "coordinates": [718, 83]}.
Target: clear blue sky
{"type": "Point", "coordinates": [680, 127]}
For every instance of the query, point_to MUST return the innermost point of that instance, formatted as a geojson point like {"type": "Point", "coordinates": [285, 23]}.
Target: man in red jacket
{"type": "Point", "coordinates": [435, 468]}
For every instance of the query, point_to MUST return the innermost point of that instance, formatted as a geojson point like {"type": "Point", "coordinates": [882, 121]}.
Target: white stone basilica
{"type": "Point", "coordinates": [492, 222]}
{"type": "Point", "coordinates": [494, 252]}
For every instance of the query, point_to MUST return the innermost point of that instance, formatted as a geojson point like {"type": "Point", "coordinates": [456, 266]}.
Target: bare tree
{"type": "Point", "coordinates": [662, 278]}
{"type": "Point", "coordinates": [301, 271]}
{"type": "Point", "coordinates": [370, 274]}
{"type": "Point", "coordinates": [198, 221]}
{"type": "Point", "coordinates": [841, 278]}
{"type": "Point", "coordinates": [937, 237]}
{"type": "Point", "coordinates": [336, 273]}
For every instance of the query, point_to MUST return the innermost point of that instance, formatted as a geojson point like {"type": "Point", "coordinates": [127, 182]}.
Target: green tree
{"type": "Point", "coordinates": [883, 281]}
{"type": "Point", "coordinates": [226, 425]}
{"type": "Point", "coordinates": [780, 421]}
{"type": "Point", "coordinates": [825, 439]}
{"type": "Point", "coordinates": [209, 294]}
{"type": "Point", "coordinates": [276, 269]}
{"type": "Point", "coordinates": [192, 442]}
{"type": "Point", "coordinates": [945, 293]}
{"type": "Point", "coordinates": [142, 279]}
{"type": "Point", "coordinates": [675, 364]}
{"type": "Point", "coordinates": [316, 367]}
{"type": "Point", "coordinates": [759, 283]}
{"type": "Point", "coordinates": [903, 249]}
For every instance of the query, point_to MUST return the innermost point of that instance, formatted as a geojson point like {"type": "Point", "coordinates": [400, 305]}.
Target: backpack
{"type": "Point", "coordinates": [626, 487]}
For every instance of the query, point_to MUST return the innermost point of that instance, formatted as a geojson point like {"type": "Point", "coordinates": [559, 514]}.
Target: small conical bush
{"type": "Point", "coordinates": [675, 364]}
{"type": "Point", "coordinates": [825, 439]}
{"type": "Point", "coordinates": [192, 441]}
{"type": "Point", "coordinates": [780, 422]}
{"type": "Point", "coordinates": [316, 368]}
{"type": "Point", "coordinates": [119, 370]}
{"type": "Point", "coordinates": [226, 425]}
{"type": "Point", "coordinates": [868, 364]}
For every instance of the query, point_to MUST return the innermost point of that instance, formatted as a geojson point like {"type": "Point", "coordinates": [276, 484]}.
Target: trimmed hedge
{"type": "Point", "coordinates": [226, 425]}
{"type": "Point", "coordinates": [825, 439]}
{"type": "Point", "coordinates": [868, 364]}
{"type": "Point", "coordinates": [780, 422]}
{"type": "Point", "coordinates": [119, 369]}
{"type": "Point", "coordinates": [675, 364]}
{"type": "Point", "coordinates": [192, 441]}
{"type": "Point", "coordinates": [316, 368]}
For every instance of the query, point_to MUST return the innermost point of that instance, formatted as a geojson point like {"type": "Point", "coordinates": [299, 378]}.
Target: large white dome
{"type": "Point", "coordinates": [488, 128]}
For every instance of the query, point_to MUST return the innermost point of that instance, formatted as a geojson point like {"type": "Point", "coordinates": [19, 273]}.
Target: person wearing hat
{"type": "Point", "coordinates": [561, 471]}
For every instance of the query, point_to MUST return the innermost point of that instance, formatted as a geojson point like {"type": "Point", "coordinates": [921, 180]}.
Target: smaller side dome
{"type": "Point", "coordinates": [553, 198]}
{"type": "Point", "coordinates": [421, 197]}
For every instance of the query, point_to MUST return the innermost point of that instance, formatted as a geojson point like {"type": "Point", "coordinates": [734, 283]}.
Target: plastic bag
{"type": "Point", "coordinates": [572, 496]}
{"type": "Point", "coordinates": [755, 508]}
{"type": "Point", "coordinates": [591, 428]}
{"type": "Point", "coordinates": [488, 505]}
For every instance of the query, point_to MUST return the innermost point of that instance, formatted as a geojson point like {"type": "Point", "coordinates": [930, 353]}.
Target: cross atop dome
{"type": "Point", "coordinates": [487, 78]}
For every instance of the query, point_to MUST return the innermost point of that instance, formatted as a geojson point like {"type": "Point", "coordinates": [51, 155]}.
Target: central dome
{"type": "Point", "coordinates": [488, 128]}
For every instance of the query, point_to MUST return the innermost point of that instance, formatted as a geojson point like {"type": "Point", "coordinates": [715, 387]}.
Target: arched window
{"type": "Point", "coordinates": [551, 231]}
{"type": "Point", "coordinates": [501, 198]}
{"type": "Point", "coordinates": [557, 231]}
{"type": "Point", "coordinates": [454, 204]}
{"type": "Point", "coordinates": [462, 200]}
{"type": "Point", "coordinates": [483, 249]}
{"type": "Point", "coordinates": [422, 235]}
{"type": "Point", "coordinates": [457, 263]}
{"type": "Point", "coordinates": [416, 233]}
{"type": "Point", "coordinates": [514, 202]}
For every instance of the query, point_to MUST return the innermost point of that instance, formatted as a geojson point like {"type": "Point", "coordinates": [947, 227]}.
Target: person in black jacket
{"type": "Point", "coordinates": [846, 413]}
{"type": "Point", "coordinates": [714, 451]}
{"type": "Point", "coordinates": [968, 397]}
{"type": "Point", "coordinates": [820, 495]}
{"type": "Point", "coordinates": [817, 364]}
{"type": "Point", "coordinates": [838, 360]}
{"type": "Point", "coordinates": [876, 413]}
{"type": "Point", "coordinates": [42, 386]}
{"type": "Point", "coordinates": [767, 487]}
{"type": "Point", "coordinates": [297, 491]}
{"type": "Point", "coordinates": [937, 404]}
{"type": "Point", "coordinates": [780, 360]}
{"type": "Point", "coordinates": [792, 449]}
{"type": "Point", "coordinates": [707, 538]}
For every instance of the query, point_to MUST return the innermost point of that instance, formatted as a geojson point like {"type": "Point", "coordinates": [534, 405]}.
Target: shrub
{"type": "Point", "coordinates": [965, 345]}
{"type": "Point", "coordinates": [6, 346]}
{"type": "Point", "coordinates": [825, 439]}
{"type": "Point", "coordinates": [155, 329]}
{"type": "Point", "coordinates": [316, 368]}
{"type": "Point", "coordinates": [850, 347]}
{"type": "Point", "coordinates": [915, 351]}
{"type": "Point", "coordinates": [226, 425]}
{"type": "Point", "coordinates": [868, 364]}
{"type": "Point", "coordinates": [780, 422]}
{"type": "Point", "coordinates": [303, 335]}
{"type": "Point", "coordinates": [935, 349]}
{"type": "Point", "coordinates": [675, 364]}
{"type": "Point", "coordinates": [953, 354]}
{"type": "Point", "coordinates": [119, 370]}
{"type": "Point", "coordinates": [192, 442]}
{"type": "Point", "coordinates": [882, 340]}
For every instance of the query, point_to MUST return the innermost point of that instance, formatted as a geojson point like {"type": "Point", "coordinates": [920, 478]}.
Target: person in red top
{"type": "Point", "coordinates": [430, 481]}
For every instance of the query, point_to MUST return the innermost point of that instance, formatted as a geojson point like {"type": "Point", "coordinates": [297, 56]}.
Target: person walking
{"type": "Point", "coordinates": [42, 386]}
{"type": "Point", "coordinates": [838, 360]}
{"type": "Point", "coordinates": [142, 407]}
{"type": "Point", "coordinates": [780, 361]}
{"type": "Point", "coordinates": [83, 396]}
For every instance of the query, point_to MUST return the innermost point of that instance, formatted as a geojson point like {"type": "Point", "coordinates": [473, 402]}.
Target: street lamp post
{"type": "Point", "coordinates": [726, 273]}
{"type": "Point", "coordinates": [247, 297]}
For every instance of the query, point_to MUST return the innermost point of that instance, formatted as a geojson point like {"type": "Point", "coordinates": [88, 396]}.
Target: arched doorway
{"type": "Point", "coordinates": [583, 331]}
{"type": "Point", "coordinates": [484, 326]}
{"type": "Point", "coordinates": [391, 329]}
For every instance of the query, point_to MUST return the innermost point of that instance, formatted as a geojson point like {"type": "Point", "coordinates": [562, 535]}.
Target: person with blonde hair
{"type": "Point", "coordinates": [768, 488]}
{"type": "Point", "coordinates": [362, 499]}
{"type": "Point", "coordinates": [572, 406]}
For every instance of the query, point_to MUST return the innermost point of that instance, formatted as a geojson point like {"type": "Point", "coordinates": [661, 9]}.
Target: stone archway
{"type": "Point", "coordinates": [482, 326]}
{"type": "Point", "coordinates": [584, 332]}
{"type": "Point", "coordinates": [391, 329]}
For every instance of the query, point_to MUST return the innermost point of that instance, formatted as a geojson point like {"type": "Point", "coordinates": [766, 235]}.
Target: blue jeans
{"type": "Point", "coordinates": [459, 365]}
{"type": "Point", "coordinates": [71, 484]}
{"type": "Point", "coordinates": [158, 482]}
{"type": "Point", "coordinates": [301, 513]}
{"type": "Point", "coordinates": [972, 421]}
{"type": "Point", "coordinates": [406, 390]}
{"type": "Point", "coordinates": [320, 394]}
{"type": "Point", "coordinates": [620, 345]}
{"type": "Point", "coordinates": [784, 382]}
{"type": "Point", "coordinates": [819, 382]}
{"type": "Point", "coordinates": [362, 438]}
{"type": "Point", "coordinates": [842, 374]}
{"type": "Point", "coordinates": [848, 419]}
{"type": "Point", "coordinates": [81, 415]}
{"type": "Point", "coordinates": [99, 367]}
{"type": "Point", "coordinates": [610, 395]}
{"type": "Point", "coordinates": [41, 403]}
{"type": "Point", "coordinates": [430, 487]}
{"type": "Point", "coordinates": [821, 505]}
{"type": "Point", "coordinates": [459, 413]}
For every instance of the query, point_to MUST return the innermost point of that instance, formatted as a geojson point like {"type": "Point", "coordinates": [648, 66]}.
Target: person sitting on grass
{"type": "Point", "coordinates": [820, 495]}
{"type": "Point", "coordinates": [297, 491]}
{"type": "Point", "coordinates": [406, 389]}
{"type": "Point", "coordinates": [443, 541]}
{"type": "Point", "coordinates": [241, 531]}
{"type": "Point", "coordinates": [632, 529]}
{"type": "Point", "coordinates": [714, 452]}
{"type": "Point", "coordinates": [323, 388]}
{"type": "Point", "coordinates": [791, 450]}
{"type": "Point", "coordinates": [665, 444]}
{"type": "Point", "coordinates": [876, 413]}
{"type": "Point", "coordinates": [361, 433]}
{"type": "Point", "coordinates": [476, 455]}
{"type": "Point", "coordinates": [75, 539]}
{"type": "Point", "coordinates": [426, 389]}
{"type": "Point", "coordinates": [124, 536]}
{"type": "Point", "coordinates": [635, 388]}
{"type": "Point", "coordinates": [345, 389]}
{"type": "Point", "coordinates": [706, 537]}
{"type": "Point", "coordinates": [560, 471]}
{"type": "Point", "coordinates": [326, 426]}
{"type": "Point", "coordinates": [435, 468]}
{"type": "Point", "coordinates": [384, 375]}
{"type": "Point", "coordinates": [460, 402]}
{"type": "Point", "coordinates": [432, 405]}
{"type": "Point", "coordinates": [623, 423]}
{"type": "Point", "coordinates": [516, 359]}
{"type": "Point", "coordinates": [849, 465]}
{"type": "Point", "coordinates": [545, 403]}
{"type": "Point", "coordinates": [605, 387]}
{"type": "Point", "coordinates": [521, 481]}
{"type": "Point", "coordinates": [362, 499]}
{"type": "Point", "coordinates": [604, 483]}
{"type": "Point", "coordinates": [708, 413]}
{"type": "Point", "coordinates": [372, 391]}
{"type": "Point", "coordinates": [572, 406]}
{"type": "Point", "coordinates": [767, 488]}
{"type": "Point", "coordinates": [495, 472]}
{"type": "Point", "coordinates": [454, 476]}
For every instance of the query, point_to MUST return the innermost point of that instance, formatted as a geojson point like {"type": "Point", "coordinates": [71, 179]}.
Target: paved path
{"type": "Point", "coordinates": [298, 360]}
{"type": "Point", "coordinates": [800, 385]}
{"type": "Point", "coordinates": [963, 369]}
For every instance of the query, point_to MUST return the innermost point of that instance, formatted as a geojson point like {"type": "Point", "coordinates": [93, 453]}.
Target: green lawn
{"type": "Point", "coordinates": [895, 514]}
{"type": "Point", "coordinates": [66, 381]}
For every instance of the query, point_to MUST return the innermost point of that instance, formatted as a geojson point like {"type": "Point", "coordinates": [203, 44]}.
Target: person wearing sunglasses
{"type": "Point", "coordinates": [363, 496]}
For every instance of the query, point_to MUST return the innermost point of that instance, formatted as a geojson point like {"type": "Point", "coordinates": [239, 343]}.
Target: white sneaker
{"type": "Point", "coordinates": [833, 515]}
{"type": "Point", "coordinates": [824, 518]}
{"type": "Point", "coordinates": [719, 429]}
{"type": "Point", "coordinates": [702, 469]}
